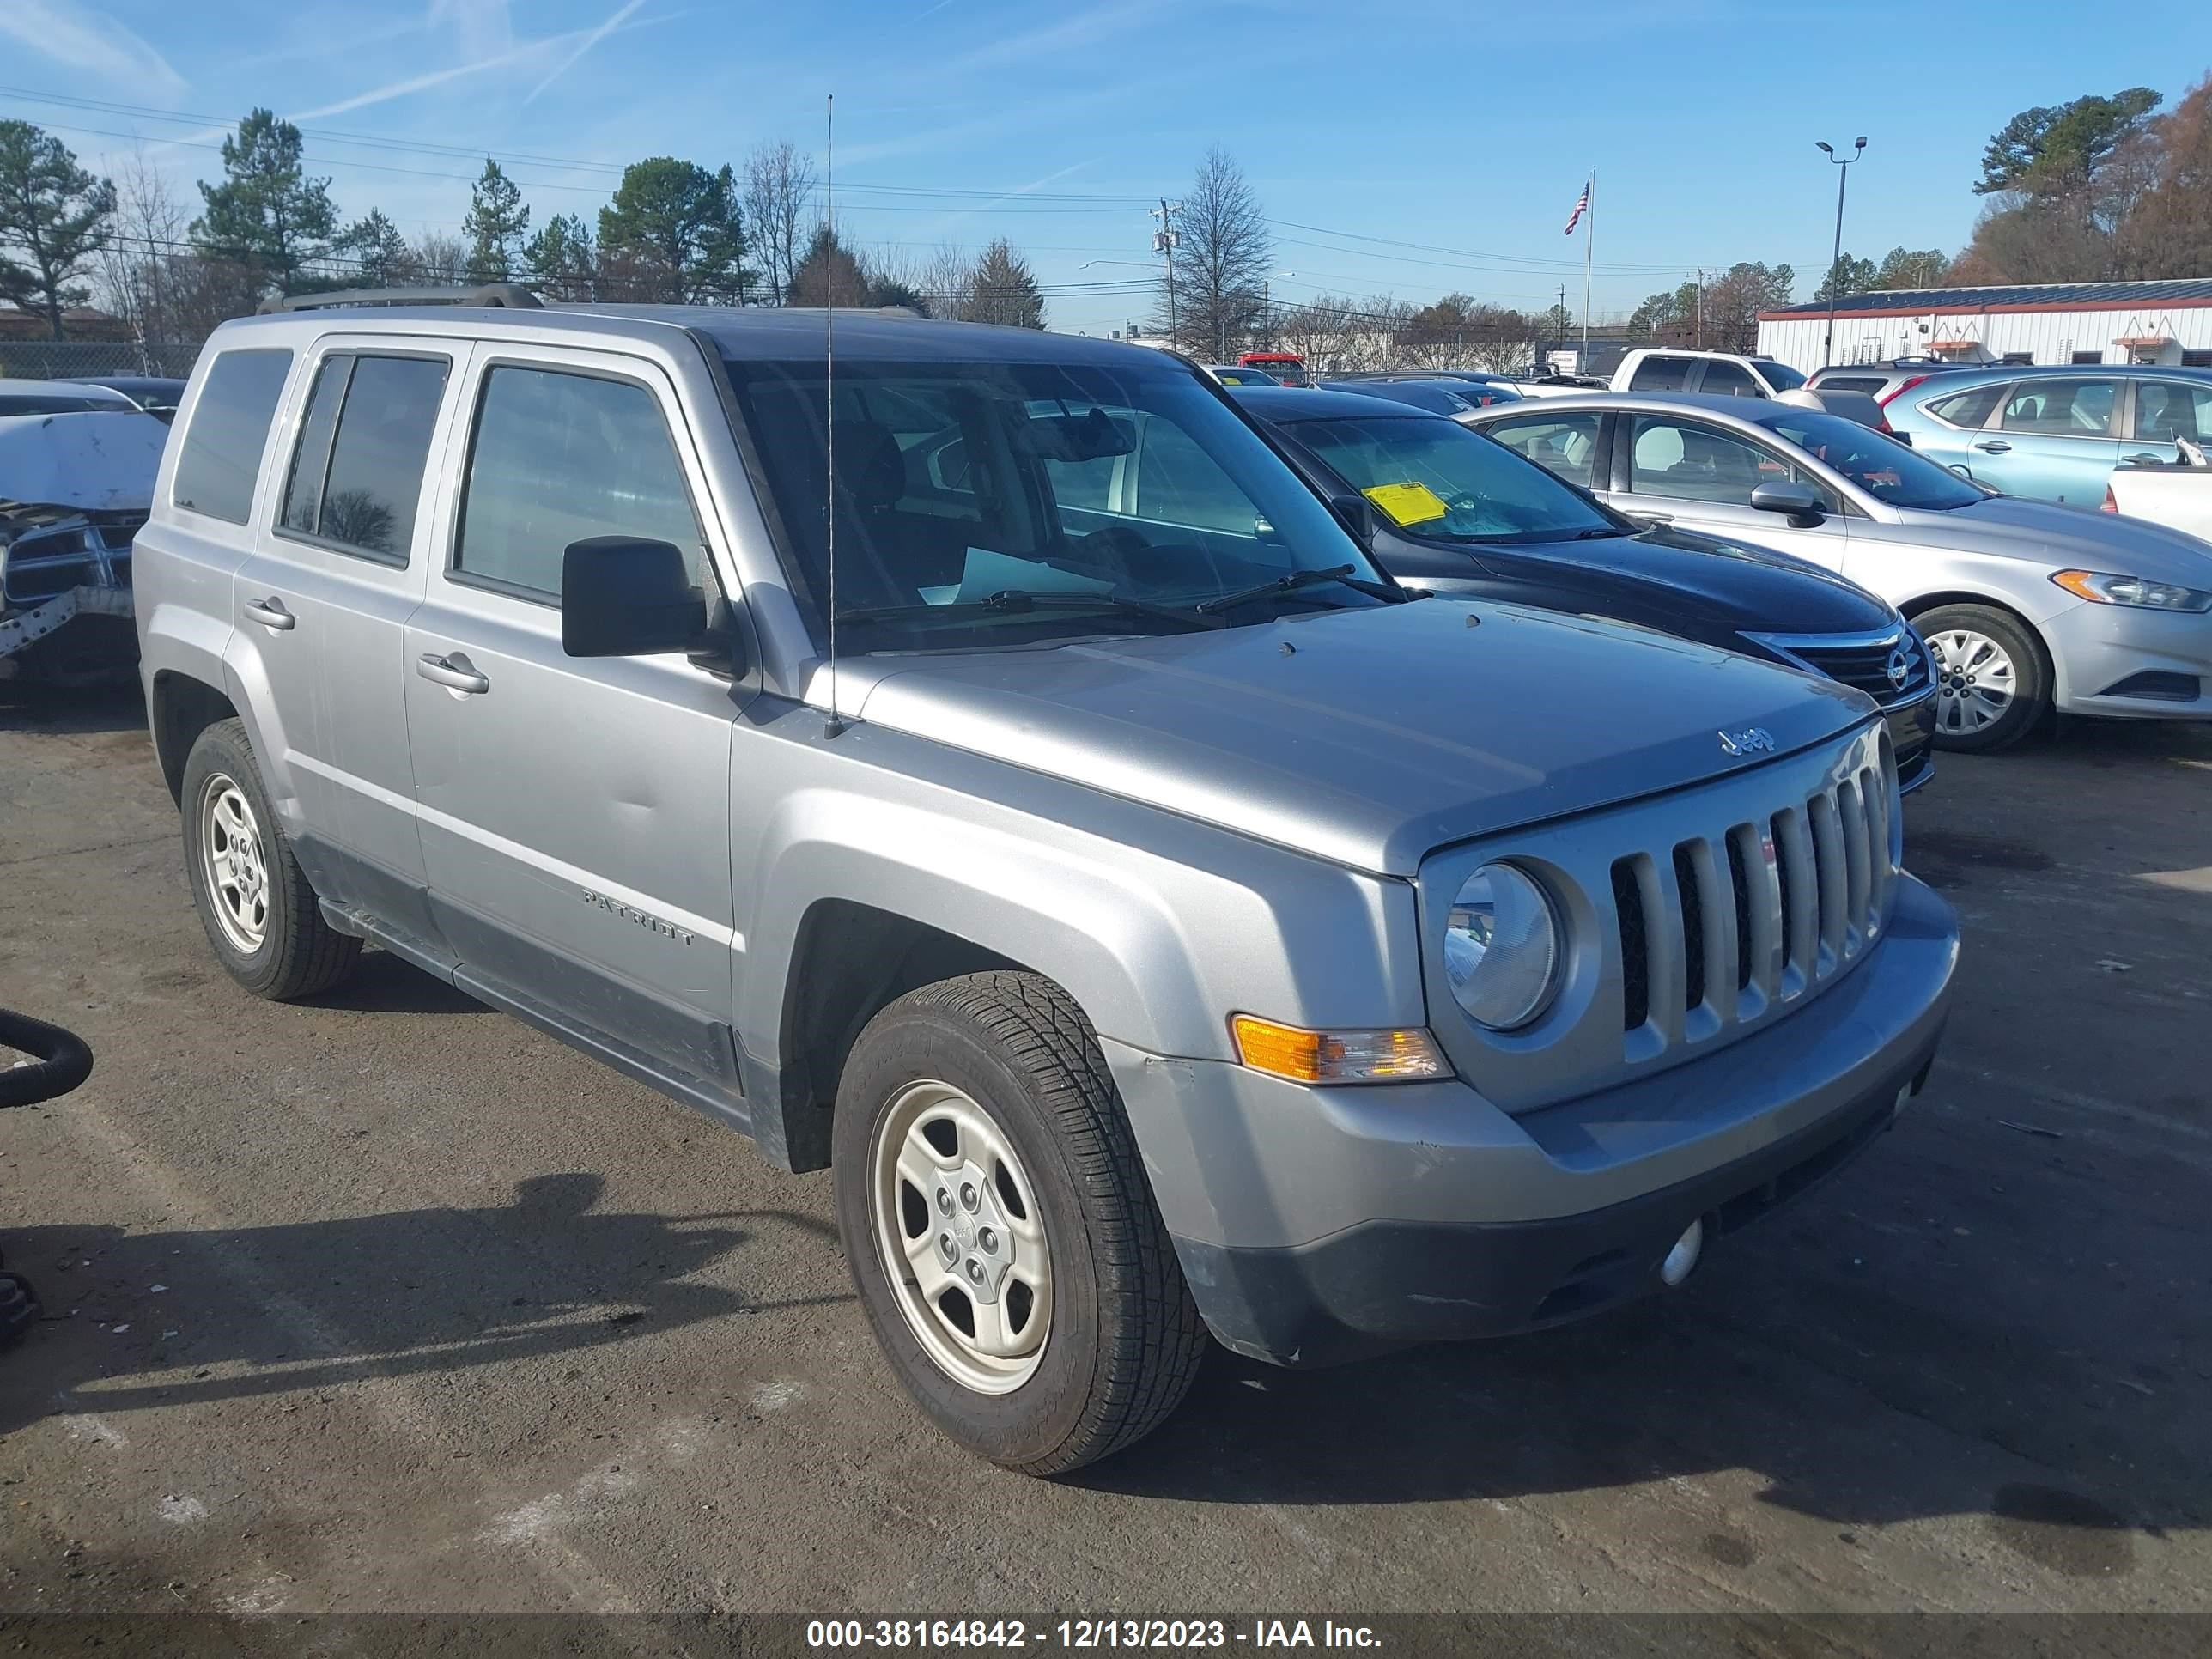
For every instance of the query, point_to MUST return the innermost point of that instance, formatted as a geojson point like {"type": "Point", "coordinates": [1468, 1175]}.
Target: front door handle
{"type": "Point", "coordinates": [455, 673]}
{"type": "Point", "coordinates": [271, 613]}
{"type": "Point", "coordinates": [1994, 447]}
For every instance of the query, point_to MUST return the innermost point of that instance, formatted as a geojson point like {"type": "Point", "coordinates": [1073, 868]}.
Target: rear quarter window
{"type": "Point", "coordinates": [222, 453]}
{"type": "Point", "coordinates": [1661, 374]}
{"type": "Point", "coordinates": [1967, 408]}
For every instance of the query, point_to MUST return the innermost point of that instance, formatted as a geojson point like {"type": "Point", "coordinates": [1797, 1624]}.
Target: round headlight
{"type": "Point", "coordinates": [1502, 948]}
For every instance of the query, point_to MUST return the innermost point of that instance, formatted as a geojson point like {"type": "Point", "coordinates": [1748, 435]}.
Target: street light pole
{"type": "Point", "coordinates": [1836, 259]}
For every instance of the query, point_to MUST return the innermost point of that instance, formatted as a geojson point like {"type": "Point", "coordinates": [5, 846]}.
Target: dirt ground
{"type": "Point", "coordinates": [391, 1303]}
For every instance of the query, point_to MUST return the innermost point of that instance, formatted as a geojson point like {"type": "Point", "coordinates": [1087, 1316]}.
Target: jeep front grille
{"type": "Point", "coordinates": [1753, 913]}
{"type": "Point", "coordinates": [1696, 918]}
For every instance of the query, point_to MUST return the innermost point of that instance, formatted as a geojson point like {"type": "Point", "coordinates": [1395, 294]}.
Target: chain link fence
{"type": "Point", "coordinates": [67, 359]}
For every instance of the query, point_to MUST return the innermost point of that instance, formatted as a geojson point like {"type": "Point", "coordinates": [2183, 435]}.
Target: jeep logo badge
{"type": "Point", "coordinates": [1752, 740]}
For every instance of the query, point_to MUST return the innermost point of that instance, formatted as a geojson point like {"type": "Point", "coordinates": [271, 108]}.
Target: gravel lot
{"type": "Point", "coordinates": [391, 1303]}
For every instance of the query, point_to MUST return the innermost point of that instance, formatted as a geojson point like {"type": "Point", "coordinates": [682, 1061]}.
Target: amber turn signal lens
{"type": "Point", "coordinates": [1322, 1057]}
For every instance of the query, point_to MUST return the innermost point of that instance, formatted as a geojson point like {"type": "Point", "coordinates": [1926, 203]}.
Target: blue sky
{"type": "Point", "coordinates": [1466, 129]}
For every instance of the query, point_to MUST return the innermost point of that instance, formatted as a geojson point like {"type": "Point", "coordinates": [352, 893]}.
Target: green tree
{"type": "Point", "coordinates": [1905, 267]}
{"type": "Point", "coordinates": [2061, 147]}
{"type": "Point", "coordinates": [497, 222]}
{"type": "Point", "coordinates": [1004, 290]}
{"type": "Point", "coordinates": [53, 214]}
{"type": "Point", "coordinates": [561, 258]}
{"type": "Point", "coordinates": [675, 229]}
{"type": "Point", "coordinates": [828, 271]}
{"type": "Point", "coordinates": [266, 213]}
{"type": "Point", "coordinates": [1848, 276]}
{"type": "Point", "coordinates": [373, 243]}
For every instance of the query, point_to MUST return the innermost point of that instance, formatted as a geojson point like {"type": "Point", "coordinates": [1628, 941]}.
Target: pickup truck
{"type": "Point", "coordinates": [2177, 495]}
{"type": "Point", "coordinates": [972, 762]}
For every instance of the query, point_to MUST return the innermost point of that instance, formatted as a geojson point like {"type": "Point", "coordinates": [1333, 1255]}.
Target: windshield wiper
{"type": "Point", "coordinates": [1602, 533]}
{"type": "Point", "coordinates": [1289, 584]}
{"type": "Point", "coordinates": [1018, 599]}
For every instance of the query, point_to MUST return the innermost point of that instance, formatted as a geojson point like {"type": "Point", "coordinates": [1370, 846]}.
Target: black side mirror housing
{"type": "Point", "coordinates": [1359, 515]}
{"type": "Point", "coordinates": [624, 596]}
{"type": "Point", "coordinates": [1799, 502]}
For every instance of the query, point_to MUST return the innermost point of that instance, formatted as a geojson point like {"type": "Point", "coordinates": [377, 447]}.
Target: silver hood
{"type": "Point", "coordinates": [2068, 538]}
{"type": "Point", "coordinates": [1370, 736]}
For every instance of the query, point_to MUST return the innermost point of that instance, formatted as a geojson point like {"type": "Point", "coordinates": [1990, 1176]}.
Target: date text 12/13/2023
{"type": "Point", "coordinates": [1081, 1635]}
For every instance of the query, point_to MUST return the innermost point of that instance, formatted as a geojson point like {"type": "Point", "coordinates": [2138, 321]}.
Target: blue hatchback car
{"type": "Point", "coordinates": [2054, 433]}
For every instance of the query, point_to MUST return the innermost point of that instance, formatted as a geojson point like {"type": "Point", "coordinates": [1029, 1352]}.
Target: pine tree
{"type": "Point", "coordinates": [674, 230]}
{"type": "Point", "coordinates": [497, 222]}
{"type": "Point", "coordinates": [1005, 289]}
{"type": "Point", "coordinates": [266, 214]}
{"type": "Point", "coordinates": [55, 215]}
{"type": "Point", "coordinates": [829, 272]}
{"type": "Point", "coordinates": [374, 244]}
{"type": "Point", "coordinates": [561, 260]}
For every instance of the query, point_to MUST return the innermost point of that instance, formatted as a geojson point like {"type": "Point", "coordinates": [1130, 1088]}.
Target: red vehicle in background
{"type": "Point", "coordinates": [1287, 367]}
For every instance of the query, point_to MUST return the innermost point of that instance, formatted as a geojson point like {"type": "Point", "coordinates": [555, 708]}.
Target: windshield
{"type": "Point", "coordinates": [1780, 376]}
{"type": "Point", "coordinates": [1881, 465]}
{"type": "Point", "coordinates": [1000, 502]}
{"type": "Point", "coordinates": [58, 403]}
{"type": "Point", "coordinates": [1436, 479]}
{"type": "Point", "coordinates": [1286, 371]}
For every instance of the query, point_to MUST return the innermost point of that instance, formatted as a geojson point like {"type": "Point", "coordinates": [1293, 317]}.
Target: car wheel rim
{"type": "Point", "coordinates": [237, 867]}
{"type": "Point", "coordinates": [958, 1231]}
{"type": "Point", "coordinates": [1975, 680]}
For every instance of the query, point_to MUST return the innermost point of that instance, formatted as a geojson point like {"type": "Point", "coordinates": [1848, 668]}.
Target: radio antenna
{"type": "Point", "coordinates": [836, 723]}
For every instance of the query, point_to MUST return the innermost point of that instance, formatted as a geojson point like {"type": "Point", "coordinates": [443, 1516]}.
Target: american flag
{"type": "Point", "coordinates": [1582, 206]}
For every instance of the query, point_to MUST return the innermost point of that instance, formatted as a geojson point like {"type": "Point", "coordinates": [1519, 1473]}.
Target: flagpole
{"type": "Point", "coordinates": [1589, 239]}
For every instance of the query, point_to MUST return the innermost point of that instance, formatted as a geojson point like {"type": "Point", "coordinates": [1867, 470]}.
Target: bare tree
{"type": "Point", "coordinates": [437, 257]}
{"type": "Point", "coordinates": [779, 205]}
{"type": "Point", "coordinates": [1220, 260]}
{"type": "Point", "coordinates": [947, 279]}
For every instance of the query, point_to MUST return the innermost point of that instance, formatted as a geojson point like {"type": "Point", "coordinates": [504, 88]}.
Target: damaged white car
{"type": "Point", "coordinates": [76, 476]}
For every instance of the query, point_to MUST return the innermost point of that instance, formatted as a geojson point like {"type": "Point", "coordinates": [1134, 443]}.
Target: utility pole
{"type": "Point", "coordinates": [1559, 321]}
{"type": "Point", "coordinates": [1164, 241]}
{"type": "Point", "coordinates": [1701, 308]}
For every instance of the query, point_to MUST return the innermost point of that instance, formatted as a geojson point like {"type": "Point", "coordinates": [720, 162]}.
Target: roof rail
{"type": "Point", "coordinates": [484, 294]}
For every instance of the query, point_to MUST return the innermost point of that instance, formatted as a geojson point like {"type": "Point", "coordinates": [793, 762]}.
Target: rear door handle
{"type": "Point", "coordinates": [455, 673]}
{"type": "Point", "coordinates": [2149, 460]}
{"type": "Point", "coordinates": [271, 613]}
{"type": "Point", "coordinates": [1994, 447]}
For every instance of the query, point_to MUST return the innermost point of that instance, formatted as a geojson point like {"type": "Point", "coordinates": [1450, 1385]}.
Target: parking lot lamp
{"type": "Point", "coordinates": [1836, 259]}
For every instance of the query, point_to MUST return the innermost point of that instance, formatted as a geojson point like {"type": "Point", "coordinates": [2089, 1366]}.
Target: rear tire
{"type": "Point", "coordinates": [1992, 679]}
{"type": "Point", "coordinates": [261, 915]}
{"type": "Point", "coordinates": [990, 1091]}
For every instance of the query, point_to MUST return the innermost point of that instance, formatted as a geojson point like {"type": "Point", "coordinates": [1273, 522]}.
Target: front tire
{"type": "Point", "coordinates": [1000, 1228]}
{"type": "Point", "coordinates": [1992, 681]}
{"type": "Point", "coordinates": [260, 913]}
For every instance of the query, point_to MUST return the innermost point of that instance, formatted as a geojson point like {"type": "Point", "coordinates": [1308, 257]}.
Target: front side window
{"type": "Point", "coordinates": [2062, 409]}
{"type": "Point", "coordinates": [1970, 409]}
{"type": "Point", "coordinates": [221, 456]}
{"type": "Point", "coordinates": [356, 476]}
{"type": "Point", "coordinates": [559, 457]}
{"type": "Point", "coordinates": [1690, 461]}
{"type": "Point", "coordinates": [1091, 499]}
{"type": "Point", "coordinates": [1881, 465]}
{"type": "Point", "coordinates": [1660, 373]}
{"type": "Point", "coordinates": [1437, 479]}
{"type": "Point", "coordinates": [1565, 446]}
{"type": "Point", "coordinates": [2166, 410]}
{"type": "Point", "coordinates": [1780, 376]}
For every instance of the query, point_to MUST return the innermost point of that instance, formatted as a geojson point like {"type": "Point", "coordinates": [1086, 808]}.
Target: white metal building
{"type": "Point", "coordinates": [2166, 322]}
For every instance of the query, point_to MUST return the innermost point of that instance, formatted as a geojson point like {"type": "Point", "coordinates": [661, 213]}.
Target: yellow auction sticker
{"type": "Point", "coordinates": [1408, 503]}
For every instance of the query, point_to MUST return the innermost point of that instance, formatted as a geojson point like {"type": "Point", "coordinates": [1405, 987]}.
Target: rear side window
{"type": "Point", "coordinates": [2062, 408]}
{"type": "Point", "coordinates": [1660, 374]}
{"type": "Point", "coordinates": [356, 477]}
{"type": "Point", "coordinates": [1967, 408]}
{"type": "Point", "coordinates": [221, 456]}
{"type": "Point", "coordinates": [558, 458]}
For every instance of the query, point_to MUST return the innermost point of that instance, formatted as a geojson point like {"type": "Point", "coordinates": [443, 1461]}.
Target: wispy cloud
{"type": "Point", "coordinates": [482, 27]}
{"type": "Point", "coordinates": [1085, 28]}
{"type": "Point", "coordinates": [81, 39]}
{"type": "Point", "coordinates": [614, 22]}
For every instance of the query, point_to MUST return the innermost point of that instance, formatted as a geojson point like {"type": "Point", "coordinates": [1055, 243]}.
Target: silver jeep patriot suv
{"type": "Point", "coordinates": [971, 761]}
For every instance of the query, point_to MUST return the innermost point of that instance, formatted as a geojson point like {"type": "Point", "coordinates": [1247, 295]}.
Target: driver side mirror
{"type": "Point", "coordinates": [624, 596]}
{"type": "Point", "coordinates": [1800, 503]}
{"type": "Point", "coordinates": [1359, 515]}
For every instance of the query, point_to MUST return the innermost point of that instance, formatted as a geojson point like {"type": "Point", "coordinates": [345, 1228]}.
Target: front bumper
{"type": "Point", "coordinates": [84, 634]}
{"type": "Point", "coordinates": [2107, 655]}
{"type": "Point", "coordinates": [1316, 1226]}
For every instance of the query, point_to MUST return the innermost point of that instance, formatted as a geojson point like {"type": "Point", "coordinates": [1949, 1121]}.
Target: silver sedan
{"type": "Point", "coordinates": [2025, 606]}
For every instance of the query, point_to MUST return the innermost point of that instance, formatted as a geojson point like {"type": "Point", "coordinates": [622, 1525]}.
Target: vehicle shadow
{"type": "Point", "coordinates": [90, 710]}
{"type": "Point", "coordinates": [255, 1312]}
{"type": "Point", "coordinates": [385, 984]}
{"type": "Point", "coordinates": [1917, 1340]}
